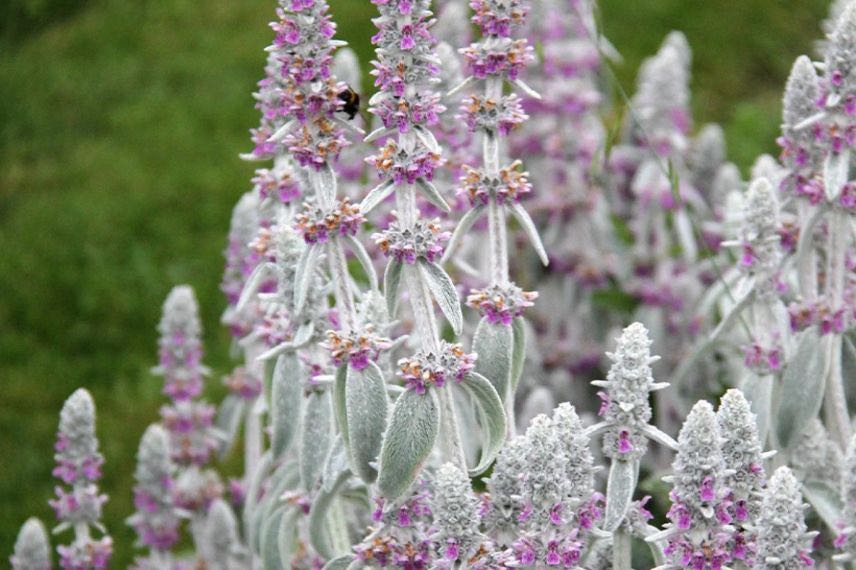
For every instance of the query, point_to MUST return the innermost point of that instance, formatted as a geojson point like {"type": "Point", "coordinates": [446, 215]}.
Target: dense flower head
{"type": "Point", "coordinates": [403, 113]}
{"type": "Point", "coordinates": [456, 514]}
{"type": "Point", "coordinates": [317, 225]}
{"type": "Point", "coordinates": [239, 259]}
{"type": "Point", "coordinates": [801, 153]}
{"type": "Point", "coordinates": [782, 538]}
{"type": "Point", "coordinates": [78, 463]}
{"type": "Point", "coordinates": [846, 540]}
{"type": "Point", "coordinates": [498, 17]}
{"type": "Point", "coordinates": [427, 368]}
{"type": "Point", "coordinates": [509, 187]}
{"type": "Point", "coordinates": [244, 383]}
{"type": "Point", "coordinates": [191, 427]}
{"type": "Point", "coordinates": [180, 347]}
{"type": "Point", "coordinates": [744, 469]}
{"type": "Point", "coordinates": [32, 550]}
{"type": "Point", "coordinates": [557, 492]}
{"type": "Point", "coordinates": [499, 304]}
{"type": "Point", "coordinates": [838, 90]}
{"type": "Point", "coordinates": [93, 554]}
{"type": "Point", "coordinates": [278, 186]}
{"type": "Point", "coordinates": [816, 458]}
{"type": "Point", "coordinates": [155, 520]}
{"type": "Point", "coordinates": [195, 490]}
{"type": "Point", "coordinates": [625, 406]}
{"type": "Point", "coordinates": [661, 102]}
{"type": "Point", "coordinates": [422, 239]}
{"type": "Point", "coordinates": [494, 115]}
{"type": "Point", "coordinates": [699, 512]}
{"type": "Point", "coordinates": [77, 456]}
{"type": "Point", "coordinates": [505, 504]}
{"type": "Point", "coordinates": [221, 533]}
{"type": "Point", "coordinates": [759, 232]}
{"type": "Point", "coordinates": [355, 348]}
{"type": "Point", "coordinates": [307, 95]}
{"type": "Point", "coordinates": [402, 163]}
{"type": "Point", "coordinates": [402, 537]}
{"type": "Point", "coordinates": [502, 57]}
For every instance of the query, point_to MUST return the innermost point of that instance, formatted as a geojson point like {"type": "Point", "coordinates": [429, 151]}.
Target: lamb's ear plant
{"type": "Point", "coordinates": [379, 426]}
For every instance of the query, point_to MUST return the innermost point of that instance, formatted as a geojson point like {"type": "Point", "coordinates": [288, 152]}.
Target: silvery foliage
{"type": "Point", "coordinates": [32, 549]}
{"type": "Point", "coordinates": [366, 426]}
{"type": "Point", "coordinates": [783, 540]}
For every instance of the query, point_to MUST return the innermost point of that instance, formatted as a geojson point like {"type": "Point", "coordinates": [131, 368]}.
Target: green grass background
{"type": "Point", "coordinates": [120, 125]}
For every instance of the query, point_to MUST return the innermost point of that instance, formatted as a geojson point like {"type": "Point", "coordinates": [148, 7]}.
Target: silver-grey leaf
{"type": "Point", "coordinates": [287, 539]}
{"type": "Point", "coordinates": [319, 516]}
{"type": "Point", "coordinates": [303, 273]}
{"type": "Point", "coordinates": [463, 228]}
{"type": "Point", "coordinates": [443, 290]}
{"type": "Point", "coordinates": [317, 438]}
{"type": "Point", "coordinates": [494, 345]}
{"type": "Point", "coordinates": [286, 398]}
{"type": "Point", "coordinates": [430, 193]}
{"type": "Point", "coordinates": [391, 283]}
{"type": "Point", "coordinates": [339, 402]}
{"type": "Point", "coordinates": [340, 563]}
{"type": "Point", "coordinates": [802, 387]}
{"type": "Point", "coordinates": [365, 260]}
{"type": "Point", "coordinates": [377, 195]}
{"type": "Point", "coordinates": [269, 540]}
{"type": "Point", "coordinates": [408, 441]}
{"type": "Point", "coordinates": [491, 415]}
{"type": "Point", "coordinates": [619, 492]}
{"type": "Point", "coordinates": [518, 354]}
{"type": "Point", "coordinates": [825, 501]}
{"type": "Point", "coordinates": [228, 421]}
{"type": "Point", "coordinates": [366, 407]}
{"type": "Point", "coordinates": [759, 392]}
{"type": "Point", "coordinates": [531, 231]}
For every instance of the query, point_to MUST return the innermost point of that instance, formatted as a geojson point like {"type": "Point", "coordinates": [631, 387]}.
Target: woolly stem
{"type": "Point", "coordinates": [835, 404]}
{"type": "Point", "coordinates": [621, 550]}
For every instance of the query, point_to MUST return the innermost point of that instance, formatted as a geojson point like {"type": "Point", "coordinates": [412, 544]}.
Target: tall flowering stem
{"type": "Point", "coordinates": [188, 420]}
{"type": "Point", "coordinates": [78, 502]}
{"type": "Point", "coordinates": [155, 521]}
{"type": "Point", "coordinates": [407, 105]}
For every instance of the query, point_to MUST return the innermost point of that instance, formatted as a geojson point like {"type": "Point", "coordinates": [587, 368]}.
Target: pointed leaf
{"type": "Point", "coordinates": [317, 438]}
{"type": "Point", "coordinates": [430, 193]}
{"type": "Point", "coordinates": [287, 541]}
{"type": "Point", "coordinates": [531, 231]}
{"type": "Point", "coordinates": [269, 540]}
{"type": "Point", "coordinates": [443, 290]}
{"type": "Point", "coordinates": [339, 402]}
{"type": "Point", "coordinates": [366, 408]}
{"type": "Point", "coordinates": [835, 173]}
{"type": "Point", "coordinates": [619, 492]}
{"type": "Point", "coordinates": [340, 563]}
{"type": "Point", "coordinates": [491, 415]}
{"type": "Point", "coordinates": [228, 422]}
{"type": "Point", "coordinates": [376, 196]}
{"type": "Point", "coordinates": [251, 285]}
{"type": "Point", "coordinates": [759, 392]}
{"type": "Point", "coordinates": [494, 344]}
{"type": "Point", "coordinates": [286, 398]}
{"type": "Point", "coordinates": [391, 283]}
{"type": "Point", "coordinates": [319, 534]}
{"type": "Point", "coordinates": [303, 273]}
{"type": "Point", "coordinates": [365, 260]}
{"type": "Point", "coordinates": [803, 384]}
{"type": "Point", "coordinates": [518, 353]}
{"type": "Point", "coordinates": [826, 503]}
{"type": "Point", "coordinates": [408, 441]}
{"type": "Point", "coordinates": [463, 228]}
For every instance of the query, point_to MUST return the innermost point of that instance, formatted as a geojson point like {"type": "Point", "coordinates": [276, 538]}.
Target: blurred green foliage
{"type": "Point", "coordinates": [120, 125]}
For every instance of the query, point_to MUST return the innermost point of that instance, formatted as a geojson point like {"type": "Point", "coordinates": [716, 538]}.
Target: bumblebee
{"type": "Point", "coordinates": [351, 101]}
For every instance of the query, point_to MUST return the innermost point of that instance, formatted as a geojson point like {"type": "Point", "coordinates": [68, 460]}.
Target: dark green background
{"type": "Point", "coordinates": [120, 125]}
